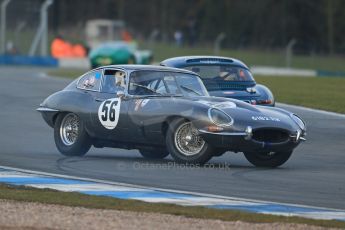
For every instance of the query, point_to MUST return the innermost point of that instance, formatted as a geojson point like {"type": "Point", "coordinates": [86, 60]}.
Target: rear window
{"type": "Point", "coordinates": [222, 73]}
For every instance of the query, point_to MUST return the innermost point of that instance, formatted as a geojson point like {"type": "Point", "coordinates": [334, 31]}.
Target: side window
{"type": "Point", "coordinates": [153, 83]}
{"type": "Point", "coordinates": [90, 81]}
{"type": "Point", "coordinates": [158, 86]}
{"type": "Point", "coordinates": [143, 82]}
{"type": "Point", "coordinates": [171, 84]}
{"type": "Point", "coordinates": [113, 81]}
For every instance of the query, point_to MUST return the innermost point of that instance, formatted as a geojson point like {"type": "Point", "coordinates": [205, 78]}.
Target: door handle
{"type": "Point", "coordinates": [99, 99]}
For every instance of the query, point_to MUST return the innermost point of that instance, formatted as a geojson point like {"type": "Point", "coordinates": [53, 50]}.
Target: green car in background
{"type": "Point", "coordinates": [119, 52]}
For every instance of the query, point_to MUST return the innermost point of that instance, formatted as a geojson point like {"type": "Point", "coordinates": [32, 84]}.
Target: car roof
{"type": "Point", "coordinates": [183, 61]}
{"type": "Point", "coordinates": [147, 67]}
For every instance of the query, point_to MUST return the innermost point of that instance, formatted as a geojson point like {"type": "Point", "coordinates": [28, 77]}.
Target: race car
{"type": "Point", "coordinates": [119, 52]}
{"type": "Point", "coordinates": [225, 77]}
{"type": "Point", "coordinates": [161, 111]}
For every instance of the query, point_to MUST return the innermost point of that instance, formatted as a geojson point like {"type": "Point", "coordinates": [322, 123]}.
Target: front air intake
{"type": "Point", "coordinates": [270, 135]}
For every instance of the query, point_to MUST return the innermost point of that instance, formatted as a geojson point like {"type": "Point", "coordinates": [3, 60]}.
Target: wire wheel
{"type": "Point", "coordinates": [187, 139]}
{"type": "Point", "coordinates": [69, 129]}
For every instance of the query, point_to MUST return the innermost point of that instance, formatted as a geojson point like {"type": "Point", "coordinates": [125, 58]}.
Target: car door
{"type": "Point", "coordinates": [146, 110]}
{"type": "Point", "coordinates": [109, 111]}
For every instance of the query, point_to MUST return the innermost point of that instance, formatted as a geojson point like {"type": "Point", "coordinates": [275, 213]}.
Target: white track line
{"type": "Point", "coordinates": [226, 198]}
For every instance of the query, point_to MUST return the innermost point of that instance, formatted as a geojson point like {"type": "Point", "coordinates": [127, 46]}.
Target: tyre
{"type": "Point", "coordinates": [217, 152]}
{"type": "Point", "coordinates": [185, 145]}
{"type": "Point", "coordinates": [154, 153]}
{"type": "Point", "coordinates": [70, 135]}
{"type": "Point", "coordinates": [268, 159]}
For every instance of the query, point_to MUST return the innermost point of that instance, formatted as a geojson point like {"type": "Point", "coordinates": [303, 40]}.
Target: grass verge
{"type": "Point", "coordinates": [319, 93]}
{"type": "Point", "coordinates": [74, 199]}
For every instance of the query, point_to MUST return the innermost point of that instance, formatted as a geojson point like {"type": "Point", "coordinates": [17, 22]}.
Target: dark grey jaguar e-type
{"type": "Point", "coordinates": [161, 111]}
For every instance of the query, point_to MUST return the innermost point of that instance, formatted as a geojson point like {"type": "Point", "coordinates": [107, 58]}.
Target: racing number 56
{"type": "Point", "coordinates": [108, 110]}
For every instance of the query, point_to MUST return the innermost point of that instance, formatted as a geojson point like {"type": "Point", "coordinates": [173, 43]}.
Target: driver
{"type": "Point", "coordinates": [114, 83]}
{"type": "Point", "coordinates": [226, 74]}
{"type": "Point", "coordinates": [120, 79]}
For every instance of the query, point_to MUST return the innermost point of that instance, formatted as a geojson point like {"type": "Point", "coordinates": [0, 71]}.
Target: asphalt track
{"type": "Point", "coordinates": [314, 175]}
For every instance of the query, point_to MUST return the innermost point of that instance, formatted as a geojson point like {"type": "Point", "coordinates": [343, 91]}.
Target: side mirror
{"type": "Point", "coordinates": [120, 94]}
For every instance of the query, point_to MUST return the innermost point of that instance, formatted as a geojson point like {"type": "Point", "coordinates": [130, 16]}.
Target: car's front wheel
{"type": "Point", "coordinates": [70, 136]}
{"type": "Point", "coordinates": [154, 153]}
{"type": "Point", "coordinates": [185, 145]}
{"type": "Point", "coordinates": [218, 152]}
{"type": "Point", "coordinates": [268, 159]}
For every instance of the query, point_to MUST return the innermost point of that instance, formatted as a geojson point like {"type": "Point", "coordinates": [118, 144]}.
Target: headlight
{"type": "Point", "coordinates": [298, 121]}
{"type": "Point", "coordinates": [220, 118]}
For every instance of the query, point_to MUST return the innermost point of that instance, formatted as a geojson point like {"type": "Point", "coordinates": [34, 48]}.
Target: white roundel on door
{"type": "Point", "coordinates": [108, 112]}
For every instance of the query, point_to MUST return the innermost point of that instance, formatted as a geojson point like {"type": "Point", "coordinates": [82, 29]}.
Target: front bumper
{"type": "Point", "coordinates": [243, 141]}
{"type": "Point", "coordinates": [48, 114]}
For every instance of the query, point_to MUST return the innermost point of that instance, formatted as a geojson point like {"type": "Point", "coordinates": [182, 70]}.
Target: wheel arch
{"type": "Point", "coordinates": [65, 101]}
{"type": "Point", "coordinates": [168, 120]}
{"type": "Point", "coordinates": [55, 116]}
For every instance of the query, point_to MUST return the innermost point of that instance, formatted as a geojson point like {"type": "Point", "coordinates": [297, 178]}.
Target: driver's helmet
{"type": "Point", "coordinates": [223, 71]}
{"type": "Point", "coordinates": [120, 78]}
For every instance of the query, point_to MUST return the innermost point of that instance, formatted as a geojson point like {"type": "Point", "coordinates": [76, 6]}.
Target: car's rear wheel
{"type": "Point", "coordinates": [154, 153]}
{"type": "Point", "coordinates": [268, 159]}
{"type": "Point", "coordinates": [185, 145]}
{"type": "Point", "coordinates": [70, 136]}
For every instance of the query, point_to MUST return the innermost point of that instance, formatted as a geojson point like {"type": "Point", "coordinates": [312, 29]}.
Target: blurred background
{"type": "Point", "coordinates": [292, 33]}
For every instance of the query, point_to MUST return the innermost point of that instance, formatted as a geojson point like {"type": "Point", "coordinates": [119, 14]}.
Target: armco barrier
{"type": "Point", "coordinates": [77, 63]}
{"type": "Point", "coordinates": [281, 71]}
{"type": "Point", "coordinates": [325, 73]}
{"type": "Point", "coordinates": [27, 60]}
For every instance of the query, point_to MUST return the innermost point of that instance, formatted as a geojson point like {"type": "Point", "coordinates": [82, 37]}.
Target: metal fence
{"type": "Point", "coordinates": [24, 28]}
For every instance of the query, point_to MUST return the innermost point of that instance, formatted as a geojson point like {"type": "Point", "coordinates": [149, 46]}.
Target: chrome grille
{"type": "Point", "coordinates": [270, 135]}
